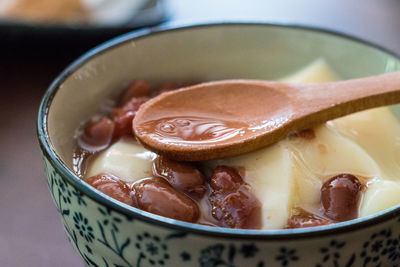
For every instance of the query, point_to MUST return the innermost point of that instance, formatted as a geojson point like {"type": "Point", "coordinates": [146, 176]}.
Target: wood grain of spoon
{"type": "Point", "coordinates": [231, 117]}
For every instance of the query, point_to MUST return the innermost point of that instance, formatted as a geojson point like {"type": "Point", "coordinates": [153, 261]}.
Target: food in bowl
{"type": "Point", "coordinates": [316, 177]}
{"type": "Point", "coordinates": [44, 10]}
{"type": "Point", "coordinates": [70, 11]}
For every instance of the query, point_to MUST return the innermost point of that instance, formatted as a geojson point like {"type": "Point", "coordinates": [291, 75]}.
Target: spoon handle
{"type": "Point", "coordinates": [322, 102]}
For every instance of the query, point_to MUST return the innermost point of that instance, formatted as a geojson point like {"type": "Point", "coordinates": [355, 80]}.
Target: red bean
{"type": "Point", "coordinates": [158, 197]}
{"type": "Point", "coordinates": [184, 177]}
{"type": "Point", "coordinates": [137, 88]}
{"type": "Point", "coordinates": [304, 219]}
{"type": "Point", "coordinates": [237, 210]}
{"type": "Point", "coordinates": [124, 116]}
{"type": "Point", "coordinates": [340, 197]}
{"type": "Point", "coordinates": [232, 203]}
{"type": "Point", "coordinates": [112, 187]}
{"type": "Point", "coordinates": [97, 135]}
{"type": "Point", "coordinates": [123, 124]}
{"type": "Point", "coordinates": [226, 179]}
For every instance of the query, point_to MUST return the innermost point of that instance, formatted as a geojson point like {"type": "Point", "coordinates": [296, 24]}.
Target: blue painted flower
{"type": "Point", "coordinates": [374, 248]}
{"type": "Point", "coordinates": [152, 248]}
{"type": "Point", "coordinates": [286, 256]}
{"type": "Point", "coordinates": [393, 249]}
{"type": "Point", "coordinates": [332, 252]}
{"type": "Point", "coordinates": [83, 227]}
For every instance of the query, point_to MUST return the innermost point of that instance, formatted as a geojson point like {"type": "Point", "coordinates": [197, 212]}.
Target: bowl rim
{"type": "Point", "coordinates": [97, 196]}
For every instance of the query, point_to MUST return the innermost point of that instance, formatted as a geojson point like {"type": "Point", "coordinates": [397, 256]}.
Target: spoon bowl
{"type": "Point", "coordinates": [227, 118]}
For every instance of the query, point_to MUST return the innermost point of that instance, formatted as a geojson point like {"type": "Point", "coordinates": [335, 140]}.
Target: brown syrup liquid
{"type": "Point", "coordinates": [192, 129]}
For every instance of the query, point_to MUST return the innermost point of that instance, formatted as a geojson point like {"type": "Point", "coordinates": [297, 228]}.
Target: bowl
{"type": "Point", "coordinates": [105, 232]}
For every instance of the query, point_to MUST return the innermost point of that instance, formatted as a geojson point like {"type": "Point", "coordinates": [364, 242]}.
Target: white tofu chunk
{"type": "Point", "coordinates": [268, 172]}
{"type": "Point", "coordinates": [377, 131]}
{"type": "Point", "coordinates": [317, 71]}
{"type": "Point", "coordinates": [381, 195]}
{"type": "Point", "coordinates": [125, 159]}
{"type": "Point", "coordinates": [330, 153]}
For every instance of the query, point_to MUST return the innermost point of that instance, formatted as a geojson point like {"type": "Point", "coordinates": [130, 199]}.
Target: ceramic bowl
{"type": "Point", "coordinates": [107, 233]}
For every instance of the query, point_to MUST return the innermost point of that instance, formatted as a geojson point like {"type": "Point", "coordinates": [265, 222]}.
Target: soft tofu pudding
{"type": "Point", "coordinates": [341, 170]}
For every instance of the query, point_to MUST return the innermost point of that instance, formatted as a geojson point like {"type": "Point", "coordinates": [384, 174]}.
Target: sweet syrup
{"type": "Point", "coordinates": [192, 129]}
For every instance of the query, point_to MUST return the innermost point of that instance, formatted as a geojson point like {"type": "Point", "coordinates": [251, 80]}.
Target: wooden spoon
{"type": "Point", "coordinates": [226, 118]}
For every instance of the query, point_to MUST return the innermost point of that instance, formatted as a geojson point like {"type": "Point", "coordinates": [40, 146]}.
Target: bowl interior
{"type": "Point", "coordinates": [209, 52]}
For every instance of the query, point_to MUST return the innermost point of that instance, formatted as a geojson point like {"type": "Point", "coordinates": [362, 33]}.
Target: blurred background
{"type": "Point", "coordinates": [39, 38]}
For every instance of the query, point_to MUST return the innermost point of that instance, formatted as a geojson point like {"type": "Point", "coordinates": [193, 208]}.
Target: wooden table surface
{"type": "Point", "coordinates": [30, 231]}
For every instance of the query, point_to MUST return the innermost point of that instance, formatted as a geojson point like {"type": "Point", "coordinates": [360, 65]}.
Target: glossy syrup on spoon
{"type": "Point", "coordinates": [227, 118]}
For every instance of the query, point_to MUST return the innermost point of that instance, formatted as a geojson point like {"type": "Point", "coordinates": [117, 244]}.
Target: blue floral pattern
{"type": "Point", "coordinates": [152, 249]}
{"type": "Point", "coordinates": [286, 256]}
{"type": "Point", "coordinates": [104, 237]}
{"type": "Point", "coordinates": [381, 247]}
{"type": "Point", "coordinates": [81, 225]}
